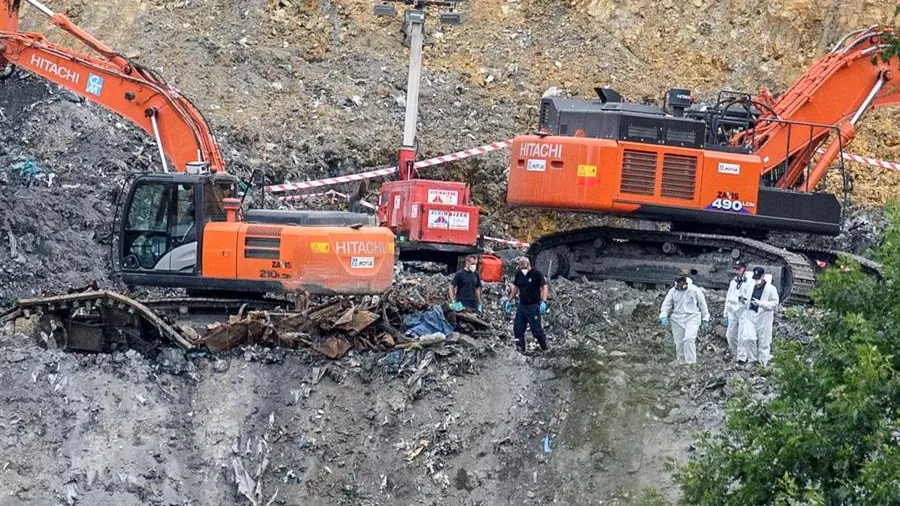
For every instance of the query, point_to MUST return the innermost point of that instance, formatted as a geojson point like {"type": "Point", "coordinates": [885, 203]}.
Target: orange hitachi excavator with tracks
{"type": "Point", "coordinates": [185, 228]}
{"type": "Point", "coordinates": [723, 175]}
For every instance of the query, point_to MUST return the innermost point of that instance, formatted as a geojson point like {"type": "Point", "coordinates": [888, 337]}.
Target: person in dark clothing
{"type": "Point", "coordinates": [465, 289]}
{"type": "Point", "coordinates": [530, 285]}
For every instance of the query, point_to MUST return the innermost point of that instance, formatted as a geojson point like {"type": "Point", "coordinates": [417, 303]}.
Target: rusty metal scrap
{"type": "Point", "coordinates": [332, 328]}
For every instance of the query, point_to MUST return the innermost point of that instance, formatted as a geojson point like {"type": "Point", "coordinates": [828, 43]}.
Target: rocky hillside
{"type": "Point", "coordinates": [306, 88]}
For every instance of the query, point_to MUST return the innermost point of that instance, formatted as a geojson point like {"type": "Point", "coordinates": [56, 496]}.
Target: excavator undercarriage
{"type": "Point", "coordinates": [649, 258]}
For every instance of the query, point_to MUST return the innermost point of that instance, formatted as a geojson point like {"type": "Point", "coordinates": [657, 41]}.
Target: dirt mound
{"type": "Point", "coordinates": [62, 163]}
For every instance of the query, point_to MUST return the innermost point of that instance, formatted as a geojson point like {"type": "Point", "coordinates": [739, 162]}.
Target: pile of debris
{"type": "Point", "coordinates": [341, 324]}
{"type": "Point", "coordinates": [105, 321]}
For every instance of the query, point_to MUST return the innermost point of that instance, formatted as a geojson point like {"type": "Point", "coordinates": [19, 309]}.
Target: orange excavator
{"type": "Point", "coordinates": [186, 228]}
{"type": "Point", "coordinates": [724, 174]}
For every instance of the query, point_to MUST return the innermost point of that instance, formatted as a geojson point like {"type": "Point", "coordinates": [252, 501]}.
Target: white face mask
{"type": "Point", "coordinates": [473, 267]}
{"type": "Point", "coordinates": [524, 272]}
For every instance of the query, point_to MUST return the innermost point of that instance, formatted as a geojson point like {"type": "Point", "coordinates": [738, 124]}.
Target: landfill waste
{"type": "Point", "coordinates": [28, 171]}
{"type": "Point", "coordinates": [196, 427]}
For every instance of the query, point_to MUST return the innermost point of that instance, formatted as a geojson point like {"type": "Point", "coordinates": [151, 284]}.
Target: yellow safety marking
{"type": "Point", "coordinates": [587, 171]}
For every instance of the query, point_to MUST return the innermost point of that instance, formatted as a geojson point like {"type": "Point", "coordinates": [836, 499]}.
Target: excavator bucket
{"type": "Point", "coordinates": [9, 17]}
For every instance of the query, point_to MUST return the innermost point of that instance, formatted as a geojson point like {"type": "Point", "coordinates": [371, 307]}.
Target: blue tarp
{"type": "Point", "coordinates": [428, 322]}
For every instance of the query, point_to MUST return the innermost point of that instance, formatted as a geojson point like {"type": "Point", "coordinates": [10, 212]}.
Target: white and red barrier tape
{"type": "Point", "coordinates": [329, 192]}
{"type": "Point", "coordinates": [872, 161]}
{"type": "Point", "coordinates": [466, 153]}
{"type": "Point", "coordinates": [459, 155]}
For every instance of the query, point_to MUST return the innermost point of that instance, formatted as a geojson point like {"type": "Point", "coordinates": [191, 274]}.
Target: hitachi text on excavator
{"type": "Point", "coordinates": [186, 228]}
{"type": "Point", "coordinates": [723, 174]}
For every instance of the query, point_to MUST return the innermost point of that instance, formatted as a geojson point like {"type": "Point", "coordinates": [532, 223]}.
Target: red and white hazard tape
{"type": "Point", "coordinates": [518, 244]}
{"type": "Point", "coordinates": [459, 155]}
{"type": "Point", "coordinates": [466, 153]}
{"type": "Point", "coordinates": [872, 161]}
{"type": "Point", "coordinates": [277, 188]}
{"type": "Point", "coordinates": [329, 192]}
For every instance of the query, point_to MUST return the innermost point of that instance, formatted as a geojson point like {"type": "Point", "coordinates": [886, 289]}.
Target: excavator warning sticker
{"type": "Point", "coordinates": [94, 85]}
{"type": "Point", "coordinates": [319, 247]}
{"type": "Point", "coordinates": [451, 220]}
{"type": "Point", "coordinates": [362, 262]}
{"type": "Point", "coordinates": [443, 197]}
{"type": "Point", "coordinates": [587, 171]}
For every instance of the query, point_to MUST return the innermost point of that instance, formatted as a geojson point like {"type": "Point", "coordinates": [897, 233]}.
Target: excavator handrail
{"type": "Point", "coordinates": [114, 82]}
{"type": "Point", "coordinates": [836, 91]}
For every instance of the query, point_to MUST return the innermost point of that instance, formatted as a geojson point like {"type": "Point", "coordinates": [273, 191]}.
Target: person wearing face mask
{"type": "Point", "coordinates": [757, 320]}
{"type": "Point", "coordinates": [686, 304]}
{"type": "Point", "coordinates": [739, 293]}
{"type": "Point", "coordinates": [465, 289]}
{"type": "Point", "coordinates": [531, 287]}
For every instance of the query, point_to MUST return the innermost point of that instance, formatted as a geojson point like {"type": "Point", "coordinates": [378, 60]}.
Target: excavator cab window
{"type": "Point", "coordinates": [161, 226]}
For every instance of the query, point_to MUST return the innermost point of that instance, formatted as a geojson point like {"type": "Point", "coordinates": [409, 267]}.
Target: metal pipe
{"type": "Point", "coordinates": [873, 49]}
{"type": "Point", "coordinates": [868, 100]}
{"type": "Point", "coordinates": [41, 7]}
{"type": "Point", "coordinates": [851, 34]}
{"type": "Point", "coordinates": [412, 87]}
{"type": "Point", "coordinates": [162, 154]}
{"type": "Point", "coordinates": [840, 42]}
{"type": "Point", "coordinates": [859, 40]}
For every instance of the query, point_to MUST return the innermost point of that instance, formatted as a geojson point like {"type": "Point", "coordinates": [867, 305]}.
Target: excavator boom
{"type": "Point", "coordinates": [114, 82]}
{"type": "Point", "coordinates": [834, 93]}
{"type": "Point", "coordinates": [185, 229]}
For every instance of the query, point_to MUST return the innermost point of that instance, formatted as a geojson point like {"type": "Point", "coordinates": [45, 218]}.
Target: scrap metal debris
{"type": "Point", "coordinates": [88, 319]}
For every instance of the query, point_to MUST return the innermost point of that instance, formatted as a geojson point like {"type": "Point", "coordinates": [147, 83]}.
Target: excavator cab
{"type": "Point", "coordinates": [183, 230]}
{"type": "Point", "coordinates": [163, 219]}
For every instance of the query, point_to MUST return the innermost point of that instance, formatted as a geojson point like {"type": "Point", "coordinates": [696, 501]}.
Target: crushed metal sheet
{"type": "Point", "coordinates": [334, 347]}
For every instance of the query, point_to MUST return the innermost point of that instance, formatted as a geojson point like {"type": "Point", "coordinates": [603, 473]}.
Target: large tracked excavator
{"type": "Point", "coordinates": [184, 227]}
{"type": "Point", "coordinates": [723, 174]}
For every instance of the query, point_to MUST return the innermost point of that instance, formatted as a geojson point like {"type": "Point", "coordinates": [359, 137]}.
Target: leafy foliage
{"type": "Point", "coordinates": [831, 434]}
{"type": "Point", "coordinates": [892, 41]}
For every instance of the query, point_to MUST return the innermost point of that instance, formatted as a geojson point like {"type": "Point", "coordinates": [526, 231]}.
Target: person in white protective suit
{"type": "Point", "coordinates": [757, 320]}
{"type": "Point", "coordinates": [739, 291]}
{"type": "Point", "coordinates": [686, 304]}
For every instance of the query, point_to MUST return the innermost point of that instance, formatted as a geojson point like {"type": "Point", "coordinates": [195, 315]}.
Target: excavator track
{"type": "Point", "coordinates": [831, 257]}
{"type": "Point", "coordinates": [104, 321]}
{"type": "Point", "coordinates": [654, 258]}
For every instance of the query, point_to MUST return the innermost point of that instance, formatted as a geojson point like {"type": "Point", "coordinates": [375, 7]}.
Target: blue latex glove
{"type": "Point", "coordinates": [664, 321]}
{"type": "Point", "coordinates": [543, 307]}
{"type": "Point", "coordinates": [507, 306]}
{"type": "Point", "coordinates": [725, 321]}
{"type": "Point", "coordinates": [456, 306]}
{"type": "Point", "coordinates": [704, 324]}
{"type": "Point", "coordinates": [480, 309]}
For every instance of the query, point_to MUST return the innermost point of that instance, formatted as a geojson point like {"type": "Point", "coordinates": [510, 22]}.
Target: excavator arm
{"type": "Point", "coordinates": [819, 113]}
{"type": "Point", "coordinates": [114, 82]}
